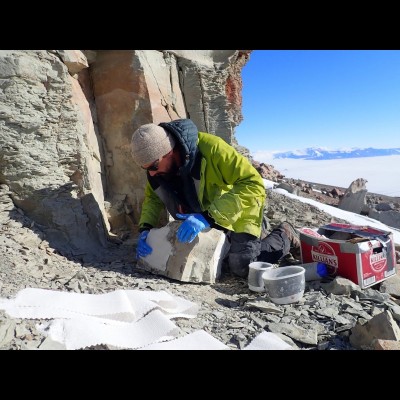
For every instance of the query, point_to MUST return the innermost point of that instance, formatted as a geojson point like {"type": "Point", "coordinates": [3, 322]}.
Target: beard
{"type": "Point", "coordinates": [171, 174]}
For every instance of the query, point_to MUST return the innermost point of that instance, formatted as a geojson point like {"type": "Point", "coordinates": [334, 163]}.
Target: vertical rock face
{"type": "Point", "coordinates": [212, 85]}
{"type": "Point", "coordinates": [49, 151]}
{"type": "Point", "coordinates": [66, 119]}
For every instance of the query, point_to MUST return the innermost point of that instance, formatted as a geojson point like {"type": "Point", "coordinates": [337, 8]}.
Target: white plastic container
{"type": "Point", "coordinates": [284, 285]}
{"type": "Point", "coordinates": [255, 280]}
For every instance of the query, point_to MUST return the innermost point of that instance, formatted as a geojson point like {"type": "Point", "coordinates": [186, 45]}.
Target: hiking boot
{"type": "Point", "coordinates": [293, 235]}
{"type": "Point", "coordinates": [289, 259]}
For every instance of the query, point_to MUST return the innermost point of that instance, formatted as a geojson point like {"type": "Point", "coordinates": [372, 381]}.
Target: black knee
{"type": "Point", "coordinates": [239, 264]}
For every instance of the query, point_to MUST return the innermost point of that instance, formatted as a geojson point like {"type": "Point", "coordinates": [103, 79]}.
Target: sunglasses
{"type": "Point", "coordinates": [153, 167]}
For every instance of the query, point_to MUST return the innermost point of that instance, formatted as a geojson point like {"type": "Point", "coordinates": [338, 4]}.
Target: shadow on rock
{"type": "Point", "coordinates": [74, 227]}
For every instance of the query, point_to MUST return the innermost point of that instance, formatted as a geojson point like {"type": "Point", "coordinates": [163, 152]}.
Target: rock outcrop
{"type": "Point", "coordinates": [66, 119]}
{"type": "Point", "coordinates": [354, 197]}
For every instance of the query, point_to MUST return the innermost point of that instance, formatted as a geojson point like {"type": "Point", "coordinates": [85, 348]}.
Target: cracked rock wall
{"type": "Point", "coordinates": [49, 151]}
{"type": "Point", "coordinates": [66, 118]}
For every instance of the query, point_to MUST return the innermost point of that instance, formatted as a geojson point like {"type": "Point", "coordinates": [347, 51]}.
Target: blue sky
{"type": "Point", "coordinates": [293, 99]}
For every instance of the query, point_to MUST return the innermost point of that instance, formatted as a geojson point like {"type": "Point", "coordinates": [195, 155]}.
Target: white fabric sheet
{"type": "Point", "coordinates": [77, 333]}
{"type": "Point", "coordinates": [122, 305]}
{"type": "Point", "coordinates": [130, 319]}
{"type": "Point", "coordinates": [123, 318]}
{"type": "Point", "coordinates": [268, 341]}
{"type": "Point", "coordinates": [199, 340]}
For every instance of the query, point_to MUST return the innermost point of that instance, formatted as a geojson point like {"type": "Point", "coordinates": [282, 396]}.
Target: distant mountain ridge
{"type": "Point", "coordinates": [317, 153]}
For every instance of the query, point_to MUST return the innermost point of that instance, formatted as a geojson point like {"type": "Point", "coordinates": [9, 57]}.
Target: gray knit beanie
{"type": "Point", "coordinates": [149, 143]}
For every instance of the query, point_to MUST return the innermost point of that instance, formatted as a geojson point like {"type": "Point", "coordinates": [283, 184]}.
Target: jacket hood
{"type": "Point", "coordinates": [186, 133]}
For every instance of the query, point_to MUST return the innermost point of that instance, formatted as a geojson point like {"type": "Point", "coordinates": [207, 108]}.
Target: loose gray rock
{"type": "Point", "coordinates": [229, 311]}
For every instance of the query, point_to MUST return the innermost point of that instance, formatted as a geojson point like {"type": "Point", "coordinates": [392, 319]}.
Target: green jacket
{"type": "Point", "coordinates": [227, 187]}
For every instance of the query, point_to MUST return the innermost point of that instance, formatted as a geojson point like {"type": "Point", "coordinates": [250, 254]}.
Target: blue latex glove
{"type": "Point", "coordinates": [190, 228]}
{"type": "Point", "coordinates": [142, 248]}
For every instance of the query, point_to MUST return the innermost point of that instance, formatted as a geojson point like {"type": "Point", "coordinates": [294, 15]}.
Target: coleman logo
{"type": "Point", "coordinates": [324, 253]}
{"type": "Point", "coordinates": [377, 261]}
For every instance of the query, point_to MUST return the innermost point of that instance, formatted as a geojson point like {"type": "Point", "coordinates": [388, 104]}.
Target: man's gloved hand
{"type": "Point", "coordinates": [190, 228]}
{"type": "Point", "coordinates": [142, 248]}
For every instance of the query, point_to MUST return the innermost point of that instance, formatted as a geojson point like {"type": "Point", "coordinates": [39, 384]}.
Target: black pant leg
{"type": "Point", "coordinates": [274, 247]}
{"type": "Point", "coordinates": [244, 249]}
